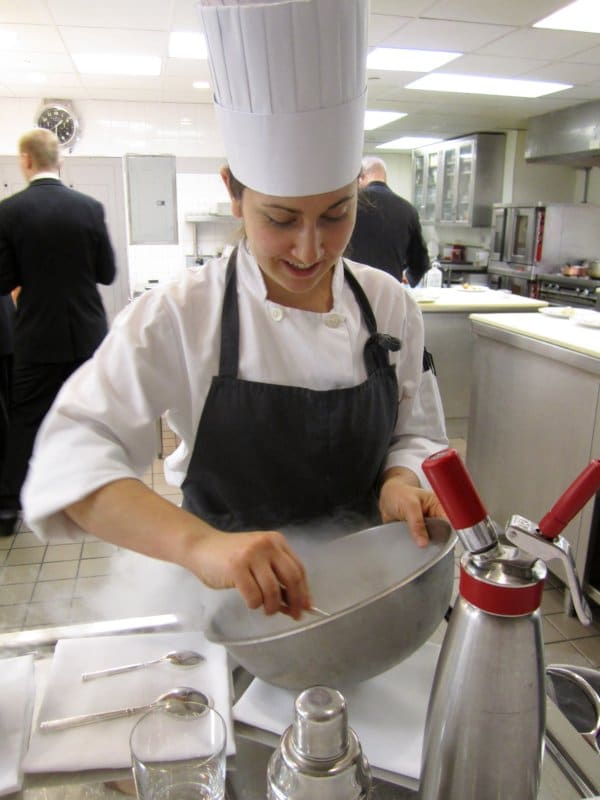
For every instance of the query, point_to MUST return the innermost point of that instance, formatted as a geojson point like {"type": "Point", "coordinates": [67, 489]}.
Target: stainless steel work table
{"type": "Point", "coordinates": [571, 768]}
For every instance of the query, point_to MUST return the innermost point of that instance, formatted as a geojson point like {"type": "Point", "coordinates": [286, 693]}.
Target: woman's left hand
{"type": "Point", "coordinates": [401, 498]}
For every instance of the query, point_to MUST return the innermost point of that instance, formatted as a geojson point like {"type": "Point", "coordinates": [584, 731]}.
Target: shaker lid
{"type": "Point", "coordinates": [320, 729]}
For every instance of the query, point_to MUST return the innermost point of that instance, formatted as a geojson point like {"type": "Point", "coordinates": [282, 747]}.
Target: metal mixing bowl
{"type": "Point", "coordinates": [386, 597]}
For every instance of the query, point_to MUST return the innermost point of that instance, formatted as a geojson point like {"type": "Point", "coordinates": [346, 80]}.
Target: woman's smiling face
{"type": "Point", "coordinates": [297, 241]}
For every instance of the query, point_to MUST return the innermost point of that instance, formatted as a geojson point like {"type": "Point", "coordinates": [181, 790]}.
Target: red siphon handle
{"type": "Point", "coordinates": [571, 501]}
{"type": "Point", "coordinates": [454, 488]}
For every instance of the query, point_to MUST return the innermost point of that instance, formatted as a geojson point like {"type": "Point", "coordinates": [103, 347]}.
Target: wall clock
{"type": "Point", "coordinates": [61, 119]}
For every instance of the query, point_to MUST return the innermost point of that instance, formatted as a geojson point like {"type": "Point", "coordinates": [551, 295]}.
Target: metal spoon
{"type": "Point", "coordinates": [313, 610]}
{"type": "Point", "coordinates": [175, 700]}
{"type": "Point", "coordinates": [181, 658]}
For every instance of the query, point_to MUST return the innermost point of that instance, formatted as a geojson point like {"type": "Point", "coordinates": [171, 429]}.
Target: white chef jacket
{"type": "Point", "coordinates": [162, 352]}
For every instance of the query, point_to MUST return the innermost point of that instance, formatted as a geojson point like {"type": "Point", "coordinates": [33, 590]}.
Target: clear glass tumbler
{"type": "Point", "coordinates": [179, 752]}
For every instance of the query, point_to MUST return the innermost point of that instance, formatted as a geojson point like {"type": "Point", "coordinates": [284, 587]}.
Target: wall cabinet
{"type": "Point", "coordinates": [456, 182]}
{"type": "Point", "coordinates": [425, 183]}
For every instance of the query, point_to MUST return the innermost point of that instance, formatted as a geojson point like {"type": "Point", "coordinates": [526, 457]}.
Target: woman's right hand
{"type": "Point", "coordinates": [259, 564]}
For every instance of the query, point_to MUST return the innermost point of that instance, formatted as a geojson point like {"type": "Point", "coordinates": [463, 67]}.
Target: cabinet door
{"type": "Point", "coordinates": [419, 182]}
{"type": "Point", "coordinates": [11, 178]}
{"type": "Point", "coordinates": [465, 181]}
{"type": "Point", "coordinates": [449, 187]}
{"type": "Point", "coordinates": [431, 189]}
{"type": "Point", "coordinates": [102, 178]}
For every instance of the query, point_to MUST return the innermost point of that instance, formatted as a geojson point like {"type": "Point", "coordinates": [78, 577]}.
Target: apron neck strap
{"type": "Point", "coordinates": [376, 347]}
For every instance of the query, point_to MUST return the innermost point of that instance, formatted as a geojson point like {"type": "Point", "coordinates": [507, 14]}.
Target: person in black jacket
{"type": "Point", "coordinates": [55, 246]}
{"type": "Point", "coordinates": [387, 233]}
{"type": "Point", "coordinates": [7, 346]}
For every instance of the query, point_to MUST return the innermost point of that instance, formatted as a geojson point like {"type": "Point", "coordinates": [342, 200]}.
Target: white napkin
{"type": "Point", "coordinates": [387, 712]}
{"type": "Point", "coordinates": [16, 705]}
{"type": "Point", "coordinates": [106, 744]}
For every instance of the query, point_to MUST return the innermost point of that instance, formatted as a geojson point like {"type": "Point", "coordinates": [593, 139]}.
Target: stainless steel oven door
{"type": "Point", "coordinates": [524, 231]}
{"type": "Point", "coordinates": [499, 215]}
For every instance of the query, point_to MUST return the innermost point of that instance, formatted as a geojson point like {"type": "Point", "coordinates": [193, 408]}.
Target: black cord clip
{"type": "Point", "coordinates": [386, 341]}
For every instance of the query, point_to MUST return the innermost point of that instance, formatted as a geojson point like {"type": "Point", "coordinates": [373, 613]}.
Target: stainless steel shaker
{"type": "Point", "coordinates": [484, 733]}
{"type": "Point", "coordinates": [319, 756]}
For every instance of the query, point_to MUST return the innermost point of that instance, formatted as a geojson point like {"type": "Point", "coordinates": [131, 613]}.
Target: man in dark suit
{"type": "Point", "coordinates": [55, 246]}
{"type": "Point", "coordinates": [387, 233]}
{"type": "Point", "coordinates": [7, 347]}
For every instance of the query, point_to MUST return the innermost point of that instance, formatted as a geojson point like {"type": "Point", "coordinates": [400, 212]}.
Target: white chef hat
{"type": "Point", "coordinates": [289, 79]}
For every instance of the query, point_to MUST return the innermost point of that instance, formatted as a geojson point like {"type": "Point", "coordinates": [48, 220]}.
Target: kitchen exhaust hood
{"type": "Point", "coordinates": [570, 137]}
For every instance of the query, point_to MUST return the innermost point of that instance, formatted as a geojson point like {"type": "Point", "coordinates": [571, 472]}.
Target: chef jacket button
{"type": "Point", "coordinates": [276, 313]}
{"type": "Point", "coordinates": [333, 321]}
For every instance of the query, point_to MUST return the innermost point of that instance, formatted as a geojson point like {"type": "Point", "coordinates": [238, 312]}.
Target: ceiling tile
{"type": "Point", "coordinates": [507, 12]}
{"type": "Point", "coordinates": [565, 72]}
{"type": "Point", "coordinates": [492, 66]}
{"type": "Point", "coordinates": [149, 14]}
{"type": "Point", "coordinates": [433, 34]}
{"type": "Point", "coordinates": [192, 69]}
{"type": "Point", "coordinates": [548, 43]}
{"type": "Point", "coordinates": [591, 56]}
{"type": "Point", "coordinates": [406, 8]}
{"type": "Point", "coordinates": [115, 40]}
{"type": "Point", "coordinates": [381, 26]}
{"type": "Point", "coordinates": [42, 38]}
{"type": "Point", "coordinates": [49, 63]}
{"type": "Point", "coordinates": [26, 11]}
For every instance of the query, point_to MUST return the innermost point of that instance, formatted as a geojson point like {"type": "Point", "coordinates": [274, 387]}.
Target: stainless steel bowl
{"type": "Point", "coordinates": [386, 597]}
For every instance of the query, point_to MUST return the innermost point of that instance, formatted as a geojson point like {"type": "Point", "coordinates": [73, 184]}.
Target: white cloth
{"type": "Point", "coordinates": [289, 82]}
{"type": "Point", "coordinates": [162, 352]}
{"type": "Point", "coordinates": [16, 706]}
{"type": "Point", "coordinates": [387, 712]}
{"type": "Point", "coordinates": [104, 745]}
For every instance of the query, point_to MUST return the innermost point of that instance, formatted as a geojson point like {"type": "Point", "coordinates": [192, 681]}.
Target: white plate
{"type": "Point", "coordinates": [590, 320]}
{"type": "Point", "coordinates": [560, 312]}
{"type": "Point", "coordinates": [472, 287]}
{"type": "Point", "coordinates": [425, 295]}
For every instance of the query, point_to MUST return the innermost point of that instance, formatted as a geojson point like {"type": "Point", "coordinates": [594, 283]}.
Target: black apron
{"type": "Point", "coordinates": [267, 456]}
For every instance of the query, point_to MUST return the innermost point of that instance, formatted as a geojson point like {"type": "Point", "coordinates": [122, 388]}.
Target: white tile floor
{"type": "Point", "coordinates": [44, 585]}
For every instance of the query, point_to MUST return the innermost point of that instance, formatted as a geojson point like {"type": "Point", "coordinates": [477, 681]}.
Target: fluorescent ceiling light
{"type": "Point", "coordinates": [187, 44]}
{"type": "Point", "coordinates": [407, 143]}
{"type": "Point", "coordinates": [375, 119]}
{"type": "Point", "coordinates": [201, 85]}
{"type": "Point", "coordinates": [116, 64]}
{"type": "Point", "coordinates": [399, 60]}
{"type": "Point", "coordinates": [475, 84]}
{"type": "Point", "coordinates": [582, 15]}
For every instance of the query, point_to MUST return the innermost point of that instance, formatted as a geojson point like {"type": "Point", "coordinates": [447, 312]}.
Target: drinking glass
{"type": "Point", "coordinates": [179, 753]}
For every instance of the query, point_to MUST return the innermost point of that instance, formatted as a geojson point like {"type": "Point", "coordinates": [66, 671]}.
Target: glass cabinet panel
{"type": "Point", "coordinates": [464, 193]}
{"type": "Point", "coordinates": [448, 201]}
{"type": "Point", "coordinates": [419, 182]}
{"type": "Point", "coordinates": [431, 188]}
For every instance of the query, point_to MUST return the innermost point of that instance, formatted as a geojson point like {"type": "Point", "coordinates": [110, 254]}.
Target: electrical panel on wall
{"type": "Point", "coordinates": [152, 199]}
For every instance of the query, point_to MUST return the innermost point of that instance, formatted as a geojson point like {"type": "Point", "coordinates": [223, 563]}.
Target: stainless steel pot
{"type": "Point", "coordinates": [594, 269]}
{"type": "Point", "coordinates": [386, 597]}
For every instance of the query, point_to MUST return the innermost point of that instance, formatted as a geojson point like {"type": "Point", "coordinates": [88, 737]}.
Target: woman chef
{"type": "Point", "coordinates": [293, 379]}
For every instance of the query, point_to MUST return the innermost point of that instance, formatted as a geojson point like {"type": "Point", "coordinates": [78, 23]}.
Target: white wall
{"type": "Point", "coordinates": [189, 131]}
{"type": "Point", "coordinates": [112, 128]}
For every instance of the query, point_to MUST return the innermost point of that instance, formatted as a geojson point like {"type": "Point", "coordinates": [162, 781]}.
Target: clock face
{"type": "Point", "coordinates": [61, 121]}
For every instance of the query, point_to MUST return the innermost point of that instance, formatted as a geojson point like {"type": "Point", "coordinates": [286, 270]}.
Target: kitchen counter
{"type": "Point", "coordinates": [478, 299]}
{"type": "Point", "coordinates": [569, 768]}
{"type": "Point", "coordinates": [534, 419]}
{"type": "Point", "coordinates": [449, 338]}
{"type": "Point", "coordinates": [567, 332]}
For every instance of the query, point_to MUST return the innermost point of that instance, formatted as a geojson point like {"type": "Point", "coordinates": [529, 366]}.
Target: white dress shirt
{"type": "Point", "coordinates": [162, 352]}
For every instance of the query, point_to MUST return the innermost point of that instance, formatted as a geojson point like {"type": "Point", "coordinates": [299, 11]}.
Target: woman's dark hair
{"type": "Point", "coordinates": [237, 187]}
